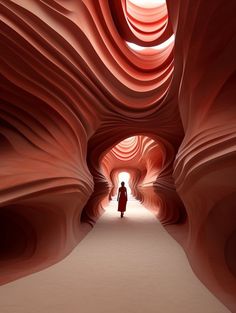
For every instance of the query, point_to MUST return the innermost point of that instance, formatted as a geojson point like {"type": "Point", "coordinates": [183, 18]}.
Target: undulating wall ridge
{"type": "Point", "coordinates": [205, 165]}
{"type": "Point", "coordinates": [68, 80]}
{"type": "Point", "coordinates": [80, 77]}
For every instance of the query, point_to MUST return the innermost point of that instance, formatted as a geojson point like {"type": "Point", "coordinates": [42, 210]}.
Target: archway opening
{"type": "Point", "coordinates": [125, 177]}
{"type": "Point", "coordinates": [144, 158]}
{"type": "Point", "coordinates": [137, 161]}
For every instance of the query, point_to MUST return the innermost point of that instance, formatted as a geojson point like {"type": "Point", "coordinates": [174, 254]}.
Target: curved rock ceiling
{"type": "Point", "coordinates": [80, 77]}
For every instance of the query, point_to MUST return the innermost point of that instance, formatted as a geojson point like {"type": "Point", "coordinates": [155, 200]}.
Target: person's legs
{"type": "Point", "coordinates": [121, 214]}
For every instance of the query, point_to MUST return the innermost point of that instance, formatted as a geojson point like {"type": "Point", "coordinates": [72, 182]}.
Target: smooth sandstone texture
{"type": "Point", "coordinates": [72, 90]}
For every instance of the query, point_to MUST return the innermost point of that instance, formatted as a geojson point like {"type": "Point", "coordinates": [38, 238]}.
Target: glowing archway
{"type": "Point", "coordinates": [124, 177]}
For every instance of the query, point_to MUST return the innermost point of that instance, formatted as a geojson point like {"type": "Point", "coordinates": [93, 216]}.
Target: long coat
{"type": "Point", "coordinates": [122, 198]}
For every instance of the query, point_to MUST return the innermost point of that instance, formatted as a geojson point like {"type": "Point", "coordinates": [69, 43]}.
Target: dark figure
{"type": "Point", "coordinates": [122, 199]}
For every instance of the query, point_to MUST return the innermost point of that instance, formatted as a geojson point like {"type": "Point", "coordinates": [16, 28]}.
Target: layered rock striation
{"type": "Point", "coordinates": [80, 77]}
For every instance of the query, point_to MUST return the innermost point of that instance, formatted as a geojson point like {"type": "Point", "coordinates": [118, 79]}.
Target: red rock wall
{"type": "Point", "coordinates": [72, 89]}
{"type": "Point", "coordinates": [205, 165]}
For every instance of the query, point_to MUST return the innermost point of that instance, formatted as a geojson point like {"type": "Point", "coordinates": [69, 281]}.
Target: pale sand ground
{"type": "Point", "coordinates": [129, 265]}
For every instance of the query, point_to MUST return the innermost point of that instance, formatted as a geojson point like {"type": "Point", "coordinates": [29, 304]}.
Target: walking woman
{"type": "Point", "coordinates": [122, 199]}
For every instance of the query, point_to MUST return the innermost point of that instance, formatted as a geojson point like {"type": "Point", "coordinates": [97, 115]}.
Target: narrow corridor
{"type": "Point", "coordinates": [129, 265]}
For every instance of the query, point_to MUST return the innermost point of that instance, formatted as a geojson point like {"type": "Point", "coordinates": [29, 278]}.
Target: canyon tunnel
{"type": "Point", "coordinates": [91, 89]}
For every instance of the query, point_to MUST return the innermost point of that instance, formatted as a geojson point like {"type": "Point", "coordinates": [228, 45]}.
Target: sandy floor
{"type": "Point", "coordinates": [128, 265]}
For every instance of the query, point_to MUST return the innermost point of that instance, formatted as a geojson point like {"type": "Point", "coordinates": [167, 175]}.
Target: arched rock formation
{"type": "Point", "coordinates": [79, 77]}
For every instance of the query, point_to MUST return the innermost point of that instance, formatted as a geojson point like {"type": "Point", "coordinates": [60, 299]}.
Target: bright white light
{"type": "Point", "coordinates": [165, 44]}
{"type": "Point", "coordinates": [148, 3]}
{"type": "Point", "coordinates": [129, 139]}
{"type": "Point", "coordinates": [135, 47]}
{"type": "Point", "coordinates": [162, 46]}
{"type": "Point", "coordinates": [124, 176]}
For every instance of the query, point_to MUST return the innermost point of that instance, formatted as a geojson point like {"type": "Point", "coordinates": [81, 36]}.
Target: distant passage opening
{"type": "Point", "coordinates": [140, 161]}
{"type": "Point", "coordinates": [124, 177]}
{"type": "Point", "coordinates": [137, 161]}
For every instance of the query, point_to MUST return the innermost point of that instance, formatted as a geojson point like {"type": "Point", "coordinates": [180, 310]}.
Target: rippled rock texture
{"type": "Point", "coordinates": [80, 77]}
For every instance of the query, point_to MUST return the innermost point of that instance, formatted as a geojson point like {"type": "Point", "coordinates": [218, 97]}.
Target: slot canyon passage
{"type": "Point", "coordinates": [96, 92]}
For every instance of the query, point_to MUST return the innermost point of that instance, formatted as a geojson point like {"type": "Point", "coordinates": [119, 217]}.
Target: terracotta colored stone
{"type": "Point", "coordinates": [72, 90]}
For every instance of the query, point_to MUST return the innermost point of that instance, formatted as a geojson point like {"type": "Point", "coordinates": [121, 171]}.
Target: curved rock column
{"type": "Point", "coordinates": [205, 165]}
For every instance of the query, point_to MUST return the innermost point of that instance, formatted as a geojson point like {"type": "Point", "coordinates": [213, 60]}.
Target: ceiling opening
{"type": "Point", "coordinates": [148, 3]}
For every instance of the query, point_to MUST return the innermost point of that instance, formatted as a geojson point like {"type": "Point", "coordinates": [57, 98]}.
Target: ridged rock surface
{"type": "Point", "coordinates": [80, 77]}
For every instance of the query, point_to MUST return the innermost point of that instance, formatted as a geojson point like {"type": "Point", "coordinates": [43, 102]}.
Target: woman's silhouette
{"type": "Point", "coordinates": [122, 199]}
